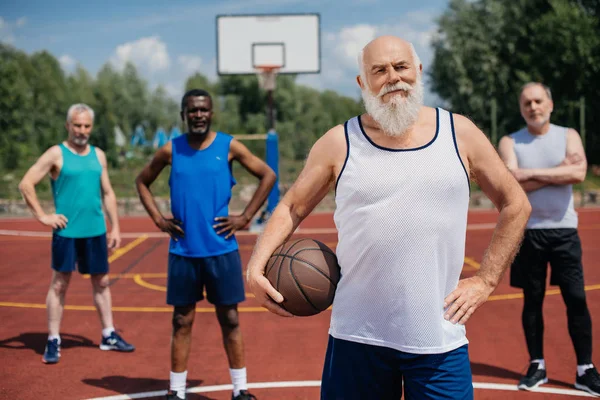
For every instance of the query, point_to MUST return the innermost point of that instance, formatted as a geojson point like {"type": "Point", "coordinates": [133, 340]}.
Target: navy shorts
{"type": "Point", "coordinates": [220, 275]}
{"type": "Point", "coordinates": [90, 254]}
{"type": "Point", "coordinates": [360, 371]}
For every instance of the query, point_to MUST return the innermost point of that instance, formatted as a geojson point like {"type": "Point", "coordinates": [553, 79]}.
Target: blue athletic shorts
{"type": "Point", "coordinates": [90, 254]}
{"type": "Point", "coordinates": [221, 276]}
{"type": "Point", "coordinates": [360, 371]}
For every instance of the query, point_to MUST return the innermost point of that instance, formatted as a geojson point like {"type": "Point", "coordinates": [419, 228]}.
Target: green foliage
{"type": "Point", "coordinates": [35, 95]}
{"type": "Point", "coordinates": [488, 49]}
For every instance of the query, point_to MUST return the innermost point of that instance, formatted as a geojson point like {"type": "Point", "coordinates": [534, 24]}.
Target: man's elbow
{"type": "Point", "coordinates": [24, 187]}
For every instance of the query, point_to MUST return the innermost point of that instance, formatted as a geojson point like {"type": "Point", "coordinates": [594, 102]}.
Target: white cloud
{"type": "Point", "coordinates": [350, 40]}
{"type": "Point", "coordinates": [67, 62]}
{"type": "Point", "coordinates": [340, 50]}
{"type": "Point", "coordinates": [148, 54]}
{"type": "Point", "coordinates": [189, 63]}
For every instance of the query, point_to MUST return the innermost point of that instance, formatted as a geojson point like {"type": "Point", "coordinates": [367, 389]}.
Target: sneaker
{"type": "Point", "coordinates": [52, 352]}
{"type": "Point", "coordinates": [534, 378]}
{"type": "Point", "coordinates": [244, 395]}
{"type": "Point", "coordinates": [173, 396]}
{"type": "Point", "coordinates": [115, 342]}
{"type": "Point", "coordinates": [589, 381]}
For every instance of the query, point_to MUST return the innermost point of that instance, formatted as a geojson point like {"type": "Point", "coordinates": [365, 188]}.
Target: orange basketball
{"type": "Point", "coordinates": [306, 273]}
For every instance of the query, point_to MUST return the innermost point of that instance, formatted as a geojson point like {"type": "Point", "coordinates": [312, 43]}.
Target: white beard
{"type": "Point", "coordinates": [399, 114]}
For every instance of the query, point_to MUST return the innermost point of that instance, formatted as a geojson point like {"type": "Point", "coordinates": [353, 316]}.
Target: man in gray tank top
{"type": "Point", "coordinates": [547, 160]}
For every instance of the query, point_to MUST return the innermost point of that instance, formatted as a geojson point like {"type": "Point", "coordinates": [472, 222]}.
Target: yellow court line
{"type": "Point", "coordinates": [137, 278]}
{"type": "Point", "coordinates": [127, 309]}
{"type": "Point", "coordinates": [241, 309]}
{"type": "Point", "coordinates": [550, 292]}
{"type": "Point", "coordinates": [122, 251]}
{"type": "Point", "coordinates": [472, 263]}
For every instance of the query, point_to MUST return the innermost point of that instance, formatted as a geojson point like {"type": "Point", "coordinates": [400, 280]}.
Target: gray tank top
{"type": "Point", "coordinates": [552, 205]}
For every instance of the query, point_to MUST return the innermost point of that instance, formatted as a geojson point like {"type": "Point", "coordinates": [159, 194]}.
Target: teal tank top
{"type": "Point", "coordinates": [78, 194]}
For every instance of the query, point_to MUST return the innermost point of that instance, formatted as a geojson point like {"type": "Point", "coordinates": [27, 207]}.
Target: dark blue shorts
{"type": "Point", "coordinates": [360, 371]}
{"type": "Point", "coordinates": [221, 276]}
{"type": "Point", "coordinates": [90, 254]}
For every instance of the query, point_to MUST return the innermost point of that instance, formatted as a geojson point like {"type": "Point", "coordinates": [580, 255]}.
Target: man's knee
{"type": "Point", "coordinates": [228, 318]}
{"type": "Point", "coordinates": [59, 284]}
{"type": "Point", "coordinates": [183, 321]}
{"type": "Point", "coordinates": [100, 282]}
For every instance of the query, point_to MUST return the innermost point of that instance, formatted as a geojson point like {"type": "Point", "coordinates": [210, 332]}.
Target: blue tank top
{"type": "Point", "coordinates": [78, 195]}
{"type": "Point", "coordinates": [201, 182]}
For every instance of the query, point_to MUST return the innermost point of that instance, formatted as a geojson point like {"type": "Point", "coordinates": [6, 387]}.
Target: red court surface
{"type": "Point", "coordinates": [284, 356]}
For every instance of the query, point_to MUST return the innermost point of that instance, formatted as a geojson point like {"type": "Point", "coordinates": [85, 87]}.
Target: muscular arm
{"type": "Point", "coordinates": [504, 191]}
{"type": "Point", "coordinates": [314, 182]}
{"type": "Point", "coordinates": [507, 153]}
{"type": "Point", "coordinates": [148, 175]}
{"type": "Point", "coordinates": [566, 173]}
{"type": "Point", "coordinates": [109, 197]}
{"type": "Point", "coordinates": [43, 166]}
{"type": "Point", "coordinates": [260, 170]}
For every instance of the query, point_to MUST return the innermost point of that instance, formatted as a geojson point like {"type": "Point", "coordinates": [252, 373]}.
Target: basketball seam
{"type": "Point", "coordinates": [309, 264]}
{"type": "Point", "coordinates": [300, 288]}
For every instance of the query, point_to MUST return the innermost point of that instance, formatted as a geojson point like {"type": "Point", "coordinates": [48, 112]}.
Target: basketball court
{"type": "Point", "coordinates": [284, 356]}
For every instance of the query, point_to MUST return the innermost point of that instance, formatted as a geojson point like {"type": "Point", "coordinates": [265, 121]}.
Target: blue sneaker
{"type": "Point", "coordinates": [52, 352]}
{"type": "Point", "coordinates": [115, 342]}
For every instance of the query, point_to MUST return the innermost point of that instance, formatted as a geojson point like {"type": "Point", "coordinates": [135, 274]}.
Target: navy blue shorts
{"type": "Point", "coordinates": [221, 276]}
{"type": "Point", "coordinates": [360, 371]}
{"type": "Point", "coordinates": [90, 254]}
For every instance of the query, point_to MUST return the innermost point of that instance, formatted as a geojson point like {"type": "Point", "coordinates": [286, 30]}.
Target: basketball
{"type": "Point", "coordinates": [306, 273]}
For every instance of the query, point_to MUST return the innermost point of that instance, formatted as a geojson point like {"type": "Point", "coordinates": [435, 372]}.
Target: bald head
{"type": "Point", "coordinates": [386, 49]}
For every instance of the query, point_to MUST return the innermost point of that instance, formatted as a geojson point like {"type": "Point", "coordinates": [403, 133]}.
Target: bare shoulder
{"type": "Point", "coordinates": [165, 152]}
{"type": "Point", "coordinates": [101, 155]}
{"type": "Point", "coordinates": [52, 155]}
{"type": "Point", "coordinates": [470, 138]}
{"type": "Point", "coordinates": [334, 140]}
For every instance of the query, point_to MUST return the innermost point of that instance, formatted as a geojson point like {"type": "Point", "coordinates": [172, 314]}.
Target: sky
{"type": "Point", "coordinates": [170, 40]}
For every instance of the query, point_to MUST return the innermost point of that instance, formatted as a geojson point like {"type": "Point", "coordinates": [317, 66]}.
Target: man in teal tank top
{"type": "Point", "coordinates": [204, 252]}
{"type": "Point", "coordinates": [547, 160]}
{"type": "Point", "coordinates": [80, 183]}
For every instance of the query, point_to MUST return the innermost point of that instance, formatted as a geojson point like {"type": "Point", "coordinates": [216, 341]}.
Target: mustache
{"type": "Point", "coordinates": [396, 86]}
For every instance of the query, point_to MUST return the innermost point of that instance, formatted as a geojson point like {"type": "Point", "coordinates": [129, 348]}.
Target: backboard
{"type": "Point", "coordinates": [291, 42]}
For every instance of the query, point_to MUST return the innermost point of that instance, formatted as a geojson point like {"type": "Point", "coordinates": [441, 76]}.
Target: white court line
{"type": "Point", "coordinates": [300, 231]}
{"type": "Point", "coordinates": [296, 384]}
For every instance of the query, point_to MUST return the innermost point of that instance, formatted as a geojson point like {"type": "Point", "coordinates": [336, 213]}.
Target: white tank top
{"type": "Point", "coordinates": [401, 217]}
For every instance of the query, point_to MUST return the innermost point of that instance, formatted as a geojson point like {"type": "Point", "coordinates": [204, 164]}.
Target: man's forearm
{"type": "Point", "coordinates": [261, 194]}
{"type": "Point", "coordinates": [532, 184]}
{"type": "Point", "coordinates": [110, 201]}
{"type": "Point", "coordinates": [505, 242]}
{"type": "Point", "coordinates": [561, 175]}
{"type": "Point", "coordinates": [279, 228]}
{"type": "Point", "coordinates": [149, 203]}
{"type": "Point", "coordinates": [28, 193]}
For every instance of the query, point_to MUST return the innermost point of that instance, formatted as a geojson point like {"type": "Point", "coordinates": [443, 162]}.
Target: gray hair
{"type": "Point", "coordinates": [78, 109]}
{"type": "Point", "coordinates": [530, 84]}
{"type": "Point", "coordinates": [361, 61]}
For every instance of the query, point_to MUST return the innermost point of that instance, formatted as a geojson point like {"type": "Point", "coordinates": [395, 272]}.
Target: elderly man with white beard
{"type": "Point", "coordinates": [401, 175]}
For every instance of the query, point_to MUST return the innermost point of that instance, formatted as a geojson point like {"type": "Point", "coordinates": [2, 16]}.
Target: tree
{"type": "Point", "coordinates": [488, 49]}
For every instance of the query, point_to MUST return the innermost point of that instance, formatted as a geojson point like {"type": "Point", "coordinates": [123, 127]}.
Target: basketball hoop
{"type": "Point", "coordinates": [267, 76]}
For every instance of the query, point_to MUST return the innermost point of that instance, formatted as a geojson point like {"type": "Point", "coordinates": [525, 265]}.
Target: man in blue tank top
{"type": "Point", "coordinates": [547, 160]}
{"type": "Point", "coordinates": [203, 252]}
{"type": "Point", "coordinates": [80, 184]}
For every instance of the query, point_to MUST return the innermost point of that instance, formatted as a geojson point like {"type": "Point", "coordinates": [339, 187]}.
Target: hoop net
{"type": "Point", "coordinates": [267, 76]}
